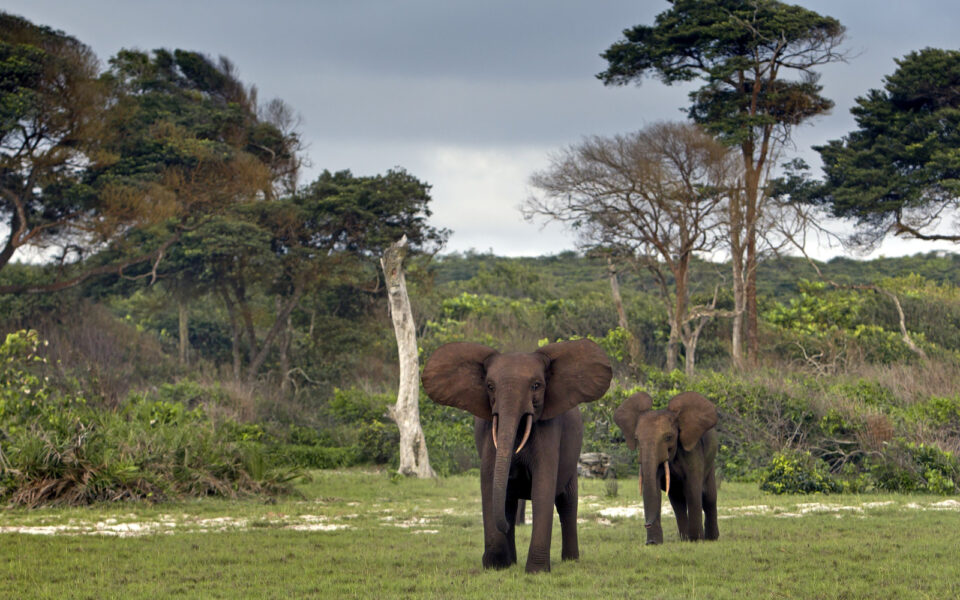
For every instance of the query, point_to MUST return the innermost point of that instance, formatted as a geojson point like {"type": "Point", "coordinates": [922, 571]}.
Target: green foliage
{"type": "Point", "coordinates": [727, 45]}
{"type": "Point", "coordinates": [916, 467]}
{"type": "Point", "coordinates": [57, 449]}
{"type": "Point", "coordinates": [902, 157]}
{"type": "Point", "coordinates": [449, 435]}
{"type": "Point", "coordinates": [798, 473]}
{"type": "Point", "coordinates": [831, 325]}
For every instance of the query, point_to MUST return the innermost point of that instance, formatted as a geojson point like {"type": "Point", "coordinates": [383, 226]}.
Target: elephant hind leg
{"type": "Point", "coordinates": [567, 510]}
{"type": "Point", "coordinates": [711, 529]}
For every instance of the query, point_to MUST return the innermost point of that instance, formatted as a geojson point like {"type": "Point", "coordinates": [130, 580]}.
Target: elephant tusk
{"type": "Point", "coordinates": [494, 432]}
{"type": "Point", "coordinates": [666, 469]}
{"type": "Point", "coordinates": [526, 434]}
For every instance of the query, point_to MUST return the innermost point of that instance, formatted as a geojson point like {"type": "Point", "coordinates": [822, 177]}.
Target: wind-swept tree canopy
{"type": "Point", "coordinates": [899, 171]}
{"type": "Point", "coordinates": [122, 164]}
{"type": "Point", "coordinates": [51, 105]}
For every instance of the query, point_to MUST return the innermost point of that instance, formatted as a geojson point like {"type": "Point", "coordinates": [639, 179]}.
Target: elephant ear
{"type": "Point", "coordinates": [578, 371]}
{"type": "Point", "coordinates": [454, 376]}
{"type": "Point", "coordinates": [628, 413]}
{"type": "Point", "coordinates": [695, 415]}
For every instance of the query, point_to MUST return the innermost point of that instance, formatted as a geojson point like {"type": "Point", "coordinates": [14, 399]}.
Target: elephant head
{"type": "Point", "coordinates": [515, 391]}
{"type": "Point", "coordinates": [656, 435]}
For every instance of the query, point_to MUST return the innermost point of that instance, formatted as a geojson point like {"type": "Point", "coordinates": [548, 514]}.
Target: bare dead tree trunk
{"type": "Point", "coordinates": [183, 329]}
{"type": "Point", "coordinates": [633, 345]}
{"type": "Point", "coordinates": [414, 459]}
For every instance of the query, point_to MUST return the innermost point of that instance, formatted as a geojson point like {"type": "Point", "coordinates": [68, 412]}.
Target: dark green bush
{"type": "Point", "coordinates": [449, 435]}
{"type": "Point", "coordinates": [793, 472]}
{"type": "Point", "coordinates": [313, 457]}
{"type": "Point", "coordinates": [910, 467]}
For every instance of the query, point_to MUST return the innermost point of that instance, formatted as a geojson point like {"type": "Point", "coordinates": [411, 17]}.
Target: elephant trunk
{"type": "Point", "coordinates": [504, 435]}
{"type": "Point", "coordinates": [650, 490]}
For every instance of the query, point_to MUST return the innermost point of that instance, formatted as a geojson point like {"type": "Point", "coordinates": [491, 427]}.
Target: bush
{"type": "Point", "coordinates": [910, 467]}
{"type": "Point", "coordinates": [313, 457]}
{"type": "Point", "coordinates": [56, 449]}
{"type": "Point", "coordinates": [792, 472]}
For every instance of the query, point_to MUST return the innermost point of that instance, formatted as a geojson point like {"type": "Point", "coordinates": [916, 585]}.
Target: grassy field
{"type": "Point", "coordinates": [365, 534]}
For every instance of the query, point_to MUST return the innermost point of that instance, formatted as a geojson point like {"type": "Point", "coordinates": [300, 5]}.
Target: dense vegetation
{"type": "Point", "coordinates": [205, 324]}
{"type": "Point", "coordinates": [103, 410]}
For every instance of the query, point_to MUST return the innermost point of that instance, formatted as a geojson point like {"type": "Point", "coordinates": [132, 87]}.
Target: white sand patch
{"type": "Point", "coordinates": [817, 507]}
{"type": "Point", "coordinates": [168, 525]}
{"type": "Point", "coordinates": [757, 508]}
{"type": "Point", "coordinates": [877, 504]}
{"type": "Point", "coordinates": [41, 529]}
{"type": "Point", "coordinates": [318, 527]}
{"type": "Point", "coordinates": [427, 531]}
{"type": "Point", "coordinates": [630, 512]}
{"type": "Point", "coordinates": [621, 511]}
{"type": "Point", "coordinates": [945, 505]}
{"type": "Point", "coordinates": [413, 522]}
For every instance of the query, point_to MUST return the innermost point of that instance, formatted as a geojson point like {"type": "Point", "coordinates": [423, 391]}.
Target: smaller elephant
{"type": "Point", "coordinates": [688, 419]}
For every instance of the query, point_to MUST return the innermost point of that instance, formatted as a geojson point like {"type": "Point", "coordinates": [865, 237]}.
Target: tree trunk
{"type": "Point", "coordinates": [283, 347]}
{"type": "Point", "coordinates": [679, 316]}
{"type": "Point", "coordinates": [752, 194]}
{"type": "Point", "coordinates": [234, 331]}
{"type": "Point", "coordinates": [739, 290]}
{"type": "Point", "coordinates": [278, 325]}
{"type": "Point", "coordinates": [183, 328]}
{"type": "Point", "coordinates": [753, 333]}
{"type": "Point", "coordinates": [414, 459]}
{"type": "Point", "coordinates": [633, 345]}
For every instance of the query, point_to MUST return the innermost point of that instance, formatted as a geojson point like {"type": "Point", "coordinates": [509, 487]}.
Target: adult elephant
{"type": "Point", "coordinates": [528, 431]}
{"type": "Point", "coordinates": [677, 444]}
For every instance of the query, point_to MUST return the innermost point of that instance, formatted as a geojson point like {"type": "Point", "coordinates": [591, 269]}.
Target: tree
{"type": "Point", "coordinates": [656, 197]}
{"type": "Point", "coordinates": [179, 138]}
{"type": "Point", "coordinates": [331, 233]}
{"type": "Point", "coordinates": [414, 458]}
{"type": "Point", "coordinates": [899, 171]}
{"type": "Point", "coordinates": [741, 50]}
{"type": "Point", "coordinates": [51, 105]}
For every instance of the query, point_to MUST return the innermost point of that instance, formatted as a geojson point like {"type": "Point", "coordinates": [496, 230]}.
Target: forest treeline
{"type": "Point", "coordinates": [196, 320]}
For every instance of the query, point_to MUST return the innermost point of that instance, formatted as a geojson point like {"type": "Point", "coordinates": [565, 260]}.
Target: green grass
{"type": "Point", "coordinates": [844, 546]}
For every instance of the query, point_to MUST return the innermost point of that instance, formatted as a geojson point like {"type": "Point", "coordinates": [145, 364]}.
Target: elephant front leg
{"type": "Point", "coordinates": [498, 550]}
{"type": "Point", "coordinates": [543, 493]}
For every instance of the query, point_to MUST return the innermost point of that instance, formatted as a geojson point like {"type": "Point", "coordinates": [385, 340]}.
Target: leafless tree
{"type": "Point", "coordinates": [657, 196]}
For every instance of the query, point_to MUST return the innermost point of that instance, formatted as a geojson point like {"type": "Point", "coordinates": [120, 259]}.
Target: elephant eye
{"type": "Point", "coordinates": [490, 386]}
{"type": "Point", "coordinates": [535, 385]}
{"type": "Point", "coordinates": [668, 437]}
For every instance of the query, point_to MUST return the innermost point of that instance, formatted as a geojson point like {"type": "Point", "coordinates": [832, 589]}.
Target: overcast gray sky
{"type": "Point", "coordinates": [470, 96]}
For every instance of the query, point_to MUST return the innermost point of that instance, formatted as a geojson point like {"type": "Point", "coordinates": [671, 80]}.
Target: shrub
{"type": "Point", "coordinates": [57, 449]}
{"type": "Point", "coordinates": [910, 467]}
{"type": "Point", "coordinates": [793, 472]}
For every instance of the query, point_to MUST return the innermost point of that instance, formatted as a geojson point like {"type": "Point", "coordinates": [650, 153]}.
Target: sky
{"type": "Point", "coordinates": [473, 97]}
